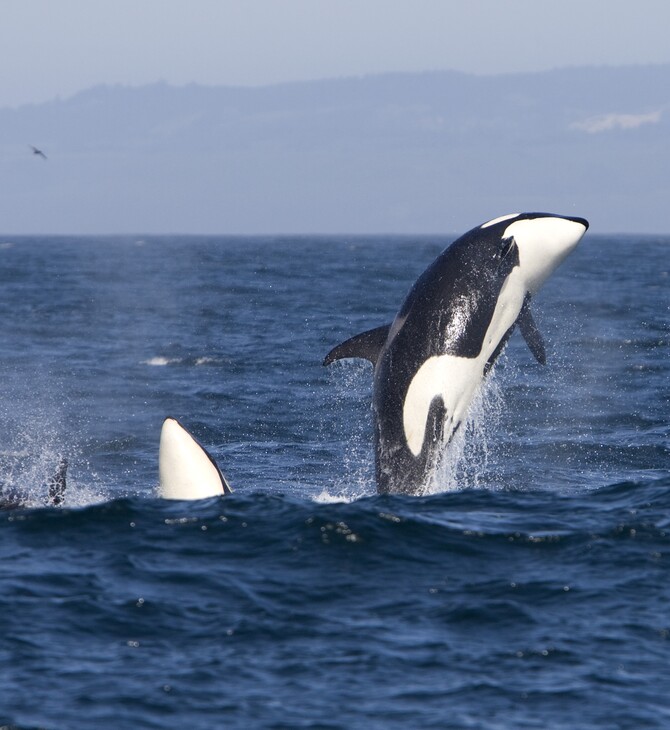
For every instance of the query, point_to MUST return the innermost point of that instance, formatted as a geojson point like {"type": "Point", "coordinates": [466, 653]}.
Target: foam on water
{"type": "Point", "coordinates": [325, 497]}
{"type": "Point", "coordinates": [159, 361]}
{"type": "Point", "coordinates": [162, 361]}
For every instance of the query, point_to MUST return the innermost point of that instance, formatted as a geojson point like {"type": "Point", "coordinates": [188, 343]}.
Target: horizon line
{"type": "Point", "coordinates": [120, 85]}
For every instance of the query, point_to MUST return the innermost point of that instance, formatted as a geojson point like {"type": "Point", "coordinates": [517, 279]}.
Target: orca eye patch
{"type": "Point", "coordinates": [506, 245]}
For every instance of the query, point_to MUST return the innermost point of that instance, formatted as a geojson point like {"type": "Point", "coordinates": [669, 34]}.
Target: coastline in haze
{"type": "Point", "coordinates": [396, 153]}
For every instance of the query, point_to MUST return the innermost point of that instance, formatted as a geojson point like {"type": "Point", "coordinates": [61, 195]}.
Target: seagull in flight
{"type": "Point", "coordinates": [38, 152]}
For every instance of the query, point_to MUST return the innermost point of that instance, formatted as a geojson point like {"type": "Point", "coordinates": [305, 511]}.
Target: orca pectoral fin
{"type": "Point", "coordinates": [531, 333]}
{"type": "Point", "coordinates": [56, 484]}
{"type": "Point", "coordinates": [366, 345]}
{"type": "Point", "coordinates": [186, 470]}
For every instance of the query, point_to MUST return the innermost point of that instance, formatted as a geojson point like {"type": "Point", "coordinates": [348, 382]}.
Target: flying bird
{"type": "Point", "coordinates": [38, 152]}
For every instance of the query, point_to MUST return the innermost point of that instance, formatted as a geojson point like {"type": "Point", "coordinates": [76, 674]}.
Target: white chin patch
{"type": "Point", "coordinates": [543, 243]}
{"type": "Point", "coordinates": [185, 470]}
{"type": "Point", "coordinates": [454, 380]}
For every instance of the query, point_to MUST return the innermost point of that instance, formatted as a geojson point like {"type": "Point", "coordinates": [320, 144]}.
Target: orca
{"type": "Point", "coordinates": [454, 323]}
{"type": "Point", "coordinates": [55, 487]}
{"type": "Point", "coordinates": [186, 470]}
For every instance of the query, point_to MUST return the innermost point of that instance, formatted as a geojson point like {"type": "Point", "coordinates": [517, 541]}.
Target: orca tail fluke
{"type": "Point", "coordinates": [57, 483]}
{"type": "Point", "coordinates": [186, 470]}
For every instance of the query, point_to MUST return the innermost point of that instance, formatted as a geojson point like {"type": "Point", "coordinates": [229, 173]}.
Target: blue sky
{"type": "Point", "coordinates": [52, 48]}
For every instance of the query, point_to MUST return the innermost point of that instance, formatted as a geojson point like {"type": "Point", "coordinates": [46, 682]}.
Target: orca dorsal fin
{"type": "Point", "coordinates": [366, 345]}
{"type": "Point", "coordinates": [531, 333]}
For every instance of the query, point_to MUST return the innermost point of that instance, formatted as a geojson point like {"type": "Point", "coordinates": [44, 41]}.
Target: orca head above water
{"type": "Point", "coordinates": [186, 470]}
{"type": "Point", "coordinates": [543, 241]}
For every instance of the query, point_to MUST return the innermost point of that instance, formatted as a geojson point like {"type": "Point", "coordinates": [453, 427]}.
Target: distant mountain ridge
{"type": "Point", "coordinates": [400, 153]}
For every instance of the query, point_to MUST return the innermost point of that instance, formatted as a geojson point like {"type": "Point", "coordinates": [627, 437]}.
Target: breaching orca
{"type": "Point", "coordinates": [55, 487]}
{"type": "Point", "coordinates": [455, 321]}
{"type": "Point", "coordinates": [186, 470]}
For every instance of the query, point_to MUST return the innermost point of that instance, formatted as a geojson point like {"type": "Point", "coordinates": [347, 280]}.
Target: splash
{"type": "Point", "coordinates": [325, 497]}
{"type": "Point", "coordinates": [351, 396]}
{"type": "Point", "coordinates": [465, 461]}
{"type": "Point", "coordinates": [33, 445]}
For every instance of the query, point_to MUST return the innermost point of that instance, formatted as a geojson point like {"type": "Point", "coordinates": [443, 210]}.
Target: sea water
{"type": "Point", "coordinates": [529, 589]}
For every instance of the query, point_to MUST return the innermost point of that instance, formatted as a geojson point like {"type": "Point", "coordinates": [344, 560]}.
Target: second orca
{"type": "Point", "coordinates": [55, 488]}
{"type": "Point", "coordinates": [186, 469]}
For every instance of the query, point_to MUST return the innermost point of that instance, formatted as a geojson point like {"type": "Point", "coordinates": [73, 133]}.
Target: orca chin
{"type": "Point", "coordinates": [186, 470]}
{"type": "Point", "coordinates": [456, 320]}
{"type": "Point", "coordinates": [55, 488]}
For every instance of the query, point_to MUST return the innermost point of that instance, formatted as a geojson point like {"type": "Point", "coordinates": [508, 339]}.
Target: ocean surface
{"type": "Point", "coordinates": [531, 590]}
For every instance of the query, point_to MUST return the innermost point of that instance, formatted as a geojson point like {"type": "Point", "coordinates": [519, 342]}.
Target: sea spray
{"type": "Point", "coordinates": [352, 428]}
{"type": "Point", "coordinates": [464, 462]}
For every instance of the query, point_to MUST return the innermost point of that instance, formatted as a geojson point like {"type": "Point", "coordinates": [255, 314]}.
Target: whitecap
{"type": "Point", "coordinates": [159, 361]}
{"type": "Point", "coordinates": [325, 497]}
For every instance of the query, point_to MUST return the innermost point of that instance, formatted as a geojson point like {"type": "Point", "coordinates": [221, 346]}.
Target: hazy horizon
{"type": "Point", "coordinates": [431, 153]}
{"type": "Point", "coordinates": [50, 50]}
{"type": "Point", "coordinates": [130, 86]}
{"type": "Point", "coordinates": [254, 117]}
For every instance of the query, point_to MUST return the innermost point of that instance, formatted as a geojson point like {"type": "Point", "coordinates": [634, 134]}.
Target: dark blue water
{"type": "Point", "coordinates": [531, 590]}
